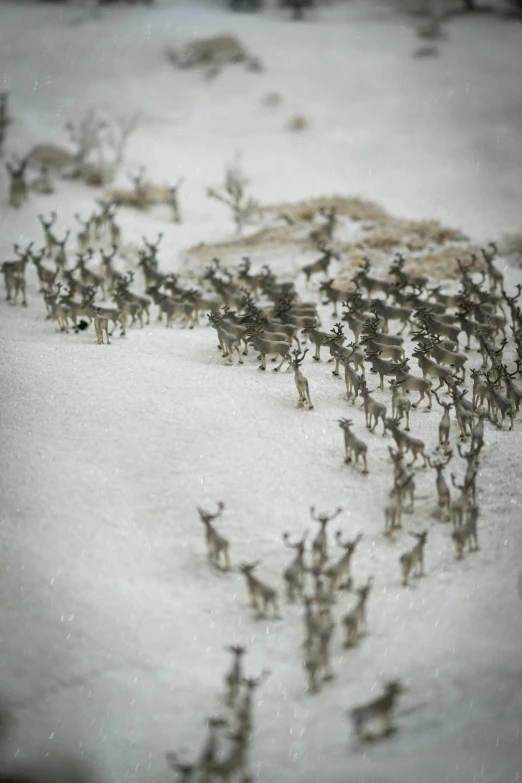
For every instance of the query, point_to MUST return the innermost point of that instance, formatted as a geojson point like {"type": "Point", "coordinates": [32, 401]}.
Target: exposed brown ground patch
{"type": "Point", "coordinates": [435, 247]}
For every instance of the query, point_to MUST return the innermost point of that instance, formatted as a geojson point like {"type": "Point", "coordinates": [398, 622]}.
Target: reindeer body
{"type": "Point", "coordinates": [414, 559]}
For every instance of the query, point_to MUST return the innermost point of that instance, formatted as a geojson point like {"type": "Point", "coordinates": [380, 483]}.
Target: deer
{"type": "Point", "coordinates": [209, 753]}
{"type": "Point", "coordinates": [83, 237]}
{"type": "Point", "coordinates": [86, 275]}
{"type": "Point", "coordinates": [404, 480]}
{"type": "Point", "coordinates": [400, 405]}
{"type": "Point", "coordinates": [428, 367]}
{"type": "Point", "coordinates": [460, 506]}
{"type": "Point", "coordinates": [378, 709]}
{"type": "Point", "coordinates": [498, 404]}
{"type": "Point", "coordinates": [319, 338]}
{"type": "Point", "coordinates": [51, 243]}
{"type": "Point", "coordinates": [244, 709]}
{"type": "Point", "coordinates": [372, 284]}
{"type": "Point", "coordinates": [477, 432]}
{"type": "Point", "coordinates": [472, 465]}
{"type": "Point", "coordinates": [436, 327]}
{"type": "Point", "coordinates": [234, 763]}
{"type": "Point", "coordinates": [353, 316]}
{"type": "Point", "coordinates": [321, 265]}
{"type": "Point", "coordinates": [332, 294]}
{"type": "Point", "coordinates": [463, 411]}
{"type": "Point", "coordinates": [320, 542]}
{"type": "Point", "coordinates": [413, 560]}
{"type": "Point", "coordinates": [372, 408]}
{"type": "Point", "coordinates": [434, 349]}
{"type": "Point", "coordinates": [123, 291]}
{"type": "Point", "coordinates": [370, 329]}
{"type": "Point", "coordinates": [443, 491]}
{"type": "Point", "coordinates": [18, 190]}
{"type": "Point", "coordinates": [392, 313]}
{"type": "Point", "coordinates": [409, 382]}
{"type": "Point", "coordinates": [294, 574]}
{"type": "Point", "coordinates": [112, 277]}
{"type": "Point", "coordinates": [479, 388]}
{"type": "Point", "coordinates": [416, 282]}
{"type": "Point", "coordinates": [262, 597]}
{"type": "Point", "coordinates": [59, 312]}
{"type": "Point", "coordinates": [234, 676]}
{"type": "Point", "coordinates": [101, 325]}
{"type": "Point", "coordinates": [354, 623]}
{"type": "Point", "coordinates": [445, 423]}
{"type": "Point", "coordinates": [217, 545]}
{"type": "Point", "coordinates": [301, 382]}
{"type": "Point", "coordinates": [353, 446]}
{"type": "Point", "coordinates": [341, 569]}
{"type": "Point", "coordinates": [405, 442]}
{"type": "Point", "coordinates": [352, 380]}
{"type": "Point", "coordinates": [513, 393]}
{"type": "Point", "coordinates": [46, 276]}
{"type": "Point", "coordinates": [467, 533]}
{"type": "Point", "coordinates": [227, 342]}
{"type": "Point", "coordinates": [382, 366]}
{"type": "Point", "coordinates": [268, 347]}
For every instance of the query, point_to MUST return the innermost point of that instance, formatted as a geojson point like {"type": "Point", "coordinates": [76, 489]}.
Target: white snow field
{"type": "Point", "coordinates": [113, 623]}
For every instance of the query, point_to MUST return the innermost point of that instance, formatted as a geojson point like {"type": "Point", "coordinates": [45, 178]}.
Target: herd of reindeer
{"type": "Point", "coordinates": [255, 313]}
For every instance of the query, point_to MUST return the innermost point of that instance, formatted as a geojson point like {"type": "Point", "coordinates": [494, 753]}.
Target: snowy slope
{"type": "Point", "coordinates": [114, 625]}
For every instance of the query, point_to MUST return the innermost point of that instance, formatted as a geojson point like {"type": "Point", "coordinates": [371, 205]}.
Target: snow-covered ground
{"type": "Point", "coordinates": [113, 624]}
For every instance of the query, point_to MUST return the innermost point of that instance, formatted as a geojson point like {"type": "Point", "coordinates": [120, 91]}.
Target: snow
{"type": "Point", "coordinates": [114, 625]}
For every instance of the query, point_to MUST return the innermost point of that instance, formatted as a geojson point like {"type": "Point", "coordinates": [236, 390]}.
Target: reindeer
{"type": "Point", "coordinates": [209, 754]}
{"type": "Point", "coordinates": [479, 388]}
{"type": "Point", "coordinates": [83, 237]}
{"type": "Point", "coordinates": [400, 404]}
{"type": "Point", "coordinates": [433, 348]}
{"type": "Point", "coordinates": [244, 708]}
{"type": "Point", "coordinates": [262, 597]}
{"type": "Point", "coordinates": [86, 275]}
{"type": "Point", "coordinates": [142, 301]}
{"type": "Point", "coordinates": [320, 542]}
{"type": "Point", "coordinates": [370, 329]}
{"type": "Point", "coordinates": [459, 506]}
{"type": "Point", "coordinates": [436, 327]}
{"type": "Point", "coordinates": [372, 284]}
{"type": "Point", "coordinates": [354, 622]}
{"type": "Point", "coordinates": [405, 442]}
{"type": "Point", "coordinates": [498, 404]}
{"type": "Point", "coordinates": [392, 313]}
{"type": "Point", "coordinates": [227, 342]}
{"type": "Point", "coordinates": [341, 569]}
{"type": "Point", "coordinates": [445, 423]}
{"type": "Point", "coordinates": [372, 408]}
{"type": "Point", "coordinates": [295, 573]}
{"type": "Point", "coordinates": [319, 338]}
{"type": "Point", "coordinates": [382, 366]}
{"type": "Point", "coordinates": [18, 191]}
{"type": "Point", "coordinates": [332, 294]}
{"type": "Point", "coordinates": [467, 533]}
{"type": "Point", "coordinates": [443, 492]}
{"type": "Point", "coordinates": [414, 558]}
{"type": "Point", "coordinates": [217, 546]}
{"type": "Point", "coordinates": [352, 380]}
{"type": "Point", "coordinates": [60, 258]}
{"type": "Point", "coordinates": [321, 265]}
{"type": "Point", "coordinates": [301, 382]}
{"type": "Point", "coordinates": [404, 480]}
{"type": "Point", "coordinates": [416, 282]}
{"type": "Point", "coordinates": [51, 243]}
{"type": "Point", "coordinates": [409, 382]}
{"type": "Point", "coordinates": [429, 367]}
{"type": "Point", "coordinates": [353, 316]}
{"type": "Point", "coordinates": [46, 276]}
{"type": "Point", "coordinates": [353, 446]}
{"type": "Point", "coordinates": [101, 325]}
{"type": "Point", "coordinates": [513, 393]}
{"type": "Point", "coordinates": [380, 708]}
{"type": "Point", "coordinates": [234, 676]}
{"type": "Point", "coordinates": [463, 411]}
